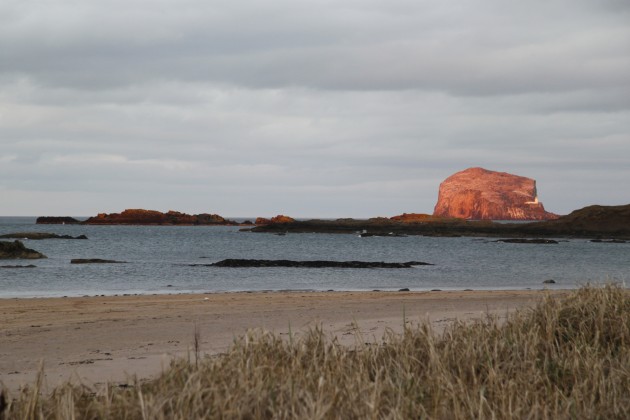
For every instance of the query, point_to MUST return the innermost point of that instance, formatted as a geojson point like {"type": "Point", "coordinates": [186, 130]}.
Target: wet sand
{"type": "Point", "coordinates": [94, 340]}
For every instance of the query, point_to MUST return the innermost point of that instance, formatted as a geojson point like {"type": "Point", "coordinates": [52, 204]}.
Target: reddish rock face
{"type": "Point", "coordinates": [274, 220]}
{"type": "Point", "coordinates": [480, 194]}
{"type": "Point", "coordinates": [152, 217]}
{"type": "Point", "coordinates": [412, 217]}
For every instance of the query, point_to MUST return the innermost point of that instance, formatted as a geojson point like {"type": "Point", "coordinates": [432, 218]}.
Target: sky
{"type": "Point", "coordinates": [344, 108]}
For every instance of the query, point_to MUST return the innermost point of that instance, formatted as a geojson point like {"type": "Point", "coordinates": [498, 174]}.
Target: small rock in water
{"type": "Point", "coordinates": [17, 250]}
{"type": "Point", "coordinates": [527, 241]}
{"type": "Point", "coordinates": [18, 266]}
{"type": "Point", "coordinates": [406, 289]}
{"type": "Point", "coordinates": [94, 261]}
{"type": "Point", "coordinates": [550, 281]}
{"type": "Point", "coordinates": [436, 290]}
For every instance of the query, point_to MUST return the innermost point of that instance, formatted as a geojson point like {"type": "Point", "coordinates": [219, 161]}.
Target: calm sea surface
{"type": "Point", "coordinates": [157, 258]}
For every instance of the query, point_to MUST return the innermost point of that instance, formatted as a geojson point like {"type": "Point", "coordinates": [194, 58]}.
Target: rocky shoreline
{"type": "Point", "coordinates": [593, 222]}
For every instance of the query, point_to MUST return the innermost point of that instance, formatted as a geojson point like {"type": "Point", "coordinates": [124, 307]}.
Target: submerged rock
{"type": "Point", "coordinates": [40, 235]}
{"type": "Point", "coordinates": [17, 250]}
{"type": "Point", "coordinates": [387, 235]}
{"type": "Point", "coordinates": [18, 266]}
{"type": "Point", "coordinates": [527, 241]}
{"type": "Point", "coordinates": [311, 264]}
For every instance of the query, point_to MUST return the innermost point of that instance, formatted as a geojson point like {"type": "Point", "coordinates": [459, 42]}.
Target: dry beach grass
{"type": "Point", "coordinates": [98, 339]}
{"type": "Point", "coordinates": [564, 358]}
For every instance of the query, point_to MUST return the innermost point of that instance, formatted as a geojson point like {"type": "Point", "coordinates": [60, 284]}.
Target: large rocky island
{"type": "Point", "coordinates": [480, 194]}
{"type": "Point", "coordinates": [146, 217]}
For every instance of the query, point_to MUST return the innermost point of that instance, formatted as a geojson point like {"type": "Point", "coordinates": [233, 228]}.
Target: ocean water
{"type": "Point", "coordinates": [157, 258]}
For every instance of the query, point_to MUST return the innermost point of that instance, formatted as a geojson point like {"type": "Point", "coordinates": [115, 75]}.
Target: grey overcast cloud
{"type": "Point", "coordinates": [344, 108]}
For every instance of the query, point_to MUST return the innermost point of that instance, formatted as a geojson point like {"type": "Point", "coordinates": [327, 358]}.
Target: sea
{"type": "Point", "coordinates": [159, 259]}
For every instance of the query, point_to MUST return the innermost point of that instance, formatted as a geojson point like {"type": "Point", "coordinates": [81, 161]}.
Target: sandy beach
{"type": "Point", "coordinates": [94, 340]}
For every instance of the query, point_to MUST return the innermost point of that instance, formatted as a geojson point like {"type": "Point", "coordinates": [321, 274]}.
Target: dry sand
{"type": "Point", "coordinates": [94, 340]}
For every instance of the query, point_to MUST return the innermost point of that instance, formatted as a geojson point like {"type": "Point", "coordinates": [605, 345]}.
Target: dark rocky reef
{"type": "Point", "coordinates": [527, 241]}
{"type": "Point", "coordinates": [152, 217]}
{"type": "Point", "coordinates": [237, 263]}
{"type": "Point", "coordinates": [53, 220]}
{"type": "Point", "coordinates": [612, 222]}
{"type": "Point", "coordinates": [39, 236]}
{"type": "Point", "coordinates": [94, 261]}
{"type": "Point", "coordinates": [17, 250]}
{"type": "Point", "coordinates": [382, 235]}
{"type": "Point", "coordinates": [18, 266]}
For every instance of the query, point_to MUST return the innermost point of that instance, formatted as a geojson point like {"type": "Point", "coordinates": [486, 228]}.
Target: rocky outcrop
{"type": "Point", "coordinates": [94, 261]}
{"type": "Point", "coordinates": [18, 266]}
{"type": "Point", "coordinates": [611, 221]}
{"type": "Point", "coordinates": [480, 194]}
{"type": "Point", "coordinates": [17, 250]}
{"type": "Point", "coordinates": [311, 264]}
{"type": "Point", "coordinates": [527, 241]}
{"type": "Point", "coordinates": [53, 220]}
{"type": "Point", "coordinates": [40, 235]}
{"type": "Point", "coordinates": [152, 217]}
{"type": "Point", "coordinates": [412, 217]}
{"type": "Point", "coordinates": [279, 219]}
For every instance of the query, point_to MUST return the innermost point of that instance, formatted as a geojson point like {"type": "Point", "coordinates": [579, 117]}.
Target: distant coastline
{"type": "Point", "coordinates": [589, 222]}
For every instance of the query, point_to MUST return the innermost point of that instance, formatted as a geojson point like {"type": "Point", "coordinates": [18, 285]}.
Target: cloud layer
{"type": "Point", "coordinates": [319, 108]}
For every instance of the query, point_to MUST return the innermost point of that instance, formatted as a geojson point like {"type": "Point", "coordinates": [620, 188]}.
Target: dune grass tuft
{"type": "Point", "coordinates": [565, 358]}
